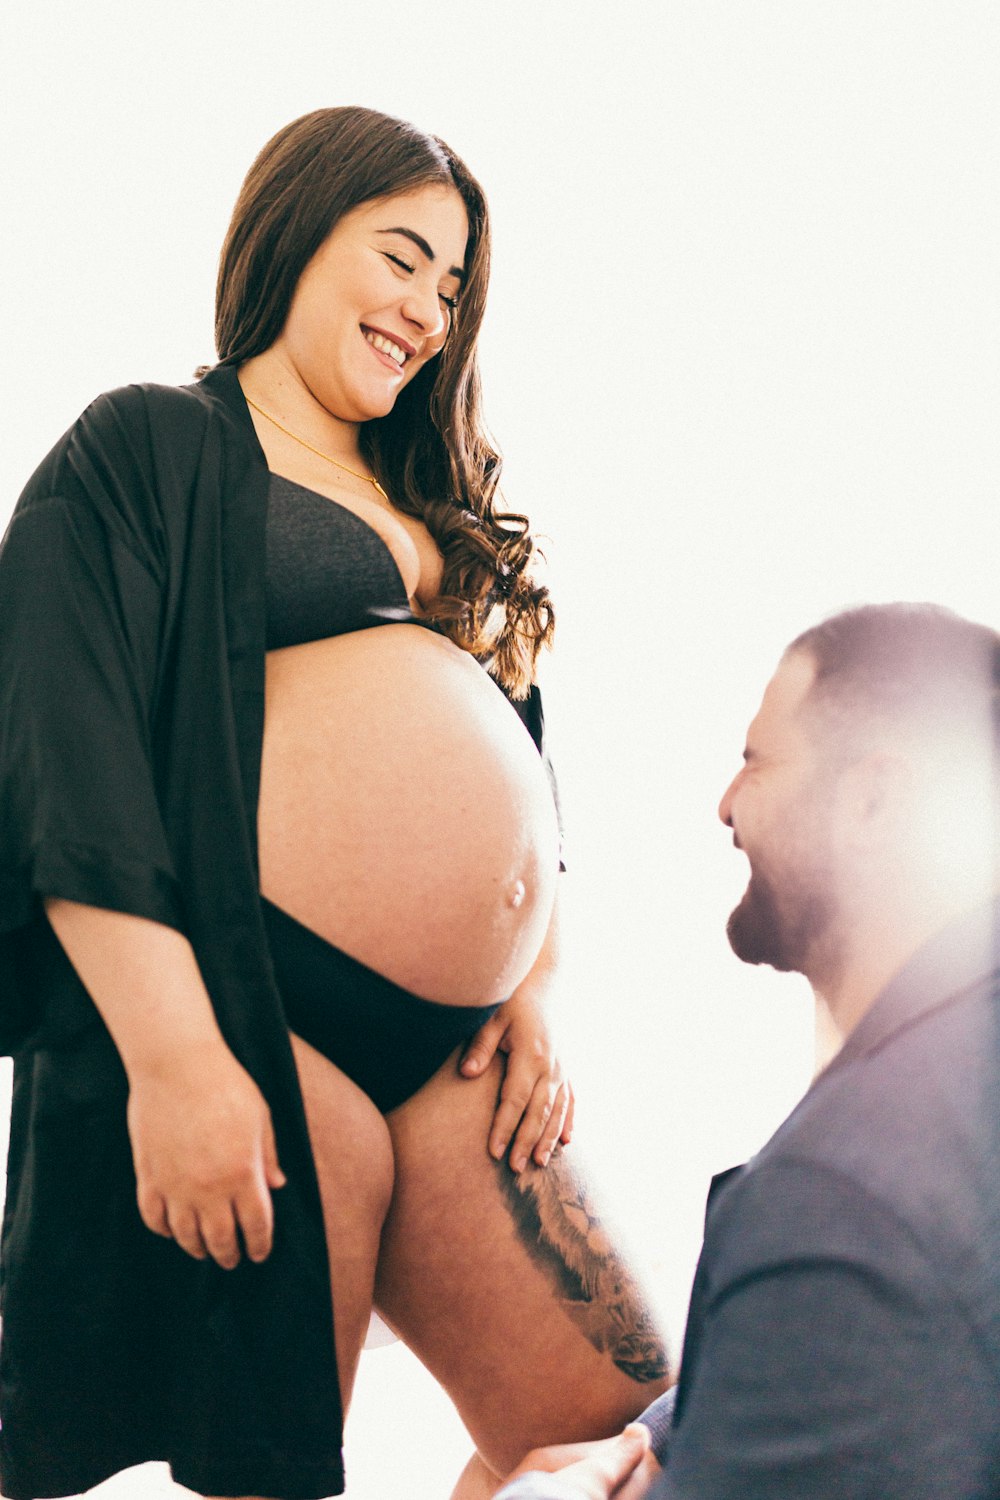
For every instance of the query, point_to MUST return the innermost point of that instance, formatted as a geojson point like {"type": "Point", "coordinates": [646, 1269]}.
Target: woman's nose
{"type": "Point", "coordinates": [422, 307]}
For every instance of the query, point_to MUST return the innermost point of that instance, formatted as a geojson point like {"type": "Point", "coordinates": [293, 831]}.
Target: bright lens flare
{"type": "Point", "coordinates": [956, 818]}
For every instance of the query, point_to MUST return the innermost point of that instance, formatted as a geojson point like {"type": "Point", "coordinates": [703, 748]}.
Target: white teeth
{"type": "Point", "coordinates": [379, 341]}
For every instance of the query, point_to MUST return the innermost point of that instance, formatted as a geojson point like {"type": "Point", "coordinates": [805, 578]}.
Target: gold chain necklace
{"type": "Point", "coordinates": [368, 478]}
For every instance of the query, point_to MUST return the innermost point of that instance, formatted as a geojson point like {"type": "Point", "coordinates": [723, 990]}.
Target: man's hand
{"type": "Point", "coordinates": [621, 1467]}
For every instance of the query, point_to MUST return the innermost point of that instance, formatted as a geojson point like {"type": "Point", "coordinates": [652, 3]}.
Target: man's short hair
{"type": "Point", "coordinates": [915, 669]}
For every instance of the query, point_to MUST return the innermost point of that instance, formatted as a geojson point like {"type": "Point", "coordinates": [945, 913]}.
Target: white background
{"type": "Point", "coordinates": [741, 357]}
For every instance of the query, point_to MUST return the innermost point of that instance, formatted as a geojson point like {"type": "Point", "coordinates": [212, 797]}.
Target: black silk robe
{"type": "Point", "coordinates": [131, 715]}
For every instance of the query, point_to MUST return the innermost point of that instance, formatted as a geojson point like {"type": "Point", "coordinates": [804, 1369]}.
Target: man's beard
{"type": "Point", "coordinates": [788, 929]}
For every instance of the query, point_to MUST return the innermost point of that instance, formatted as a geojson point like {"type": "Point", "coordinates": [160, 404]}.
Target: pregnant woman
{"type": "Point", "coordinates": [278, 866]}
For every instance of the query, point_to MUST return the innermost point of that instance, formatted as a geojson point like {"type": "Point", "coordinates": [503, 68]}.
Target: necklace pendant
{"type": "Point", "coordinates": [327, 457]}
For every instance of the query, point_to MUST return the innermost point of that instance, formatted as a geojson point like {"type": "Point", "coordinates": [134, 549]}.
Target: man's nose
{"type": "Point", "coordinates": [726, 805]}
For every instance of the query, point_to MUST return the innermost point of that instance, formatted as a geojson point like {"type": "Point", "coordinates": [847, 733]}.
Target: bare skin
{"type": "Point", "coordinates": [405, 815]}
{"type": "Point", "coordinates": [548, 1367]}
{"type": "Point", "coordinates": [354, 1162]}
{"type": "Point", "coordinates": [553, 1362]}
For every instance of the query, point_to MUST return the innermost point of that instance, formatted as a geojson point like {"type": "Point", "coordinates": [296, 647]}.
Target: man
{"type": "Point", "coordinates": [844, 1331]}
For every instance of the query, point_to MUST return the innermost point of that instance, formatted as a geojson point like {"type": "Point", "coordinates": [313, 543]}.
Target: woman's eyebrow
{"type": "Point", "coordinates": [422, 245]}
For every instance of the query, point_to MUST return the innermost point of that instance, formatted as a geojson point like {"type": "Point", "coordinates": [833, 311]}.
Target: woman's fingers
{"type": "Point", "coordinates": [216, 1228]}
{"type": "Point", "coordinates": [547, 1100]}
{"type": "Point", "coordinates": [567, 1126]}
{"type": "Point", "coordinates": [218, 1234]}
{"type": "Point", "coordinates": [184, 1229]}
{"type": "Point", "coordinates": [552, 1130]}
{"type": "Point", "coordinates": [531, 1118]}
{"type": "Point", "coordinates": [153, 1211]}
{"type": "Point", "coordinates": [255, 1212]}
{"type": "Point", "coordinates": [481, 1050]}
{"type": "Point", "coordinates": [206, 1160]}
{"type": "Point", "coordinates": [541, 1126]}
{"type": "Point", "coordinates": [272, 1168]}
{"type": "Point", "coordinates": [517, 1092]}
{"type": "Point", "coordinates": [217, 1224]}
{"type": "Point", "coordinates": [511, 1108]}
{"type": "Point", "coordinates": [536, 1101]}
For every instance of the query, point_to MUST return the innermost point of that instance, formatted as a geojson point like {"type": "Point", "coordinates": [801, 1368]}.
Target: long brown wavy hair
{"type": "Point", "coordinates": [430, 452]}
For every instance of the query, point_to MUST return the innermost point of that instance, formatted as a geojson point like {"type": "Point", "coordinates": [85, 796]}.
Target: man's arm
{"type": "Point", "coordinates": [570, 1472]}
{"type": "Point", "coordinates": [827, 1355]}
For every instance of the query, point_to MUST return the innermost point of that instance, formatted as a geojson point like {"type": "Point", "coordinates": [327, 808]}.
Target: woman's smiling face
{"type": "Point", "coordinates": [375, 303]}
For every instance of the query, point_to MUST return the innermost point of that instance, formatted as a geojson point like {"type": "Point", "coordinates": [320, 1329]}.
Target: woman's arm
{"type": "Point", "coordinates": [535, 1113]}
{"type": "Point", "coordinates": [202, 1140]}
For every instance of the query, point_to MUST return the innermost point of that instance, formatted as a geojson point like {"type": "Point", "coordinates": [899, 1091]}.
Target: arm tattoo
{"type": "Point", "coordinates": [555, 1220]}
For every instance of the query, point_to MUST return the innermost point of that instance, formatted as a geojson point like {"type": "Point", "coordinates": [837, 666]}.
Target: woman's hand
{"type": "Point", "coordinates": [536, 1098]}
{"type": "Point", "coordinates": [202, 1141]}
{"type": "Point", "coordinates": [621, 1467]}
{"type": "Point", "coordinates": [205, 1157]}
{"type": "Point", "coordinates": [535, 1113]}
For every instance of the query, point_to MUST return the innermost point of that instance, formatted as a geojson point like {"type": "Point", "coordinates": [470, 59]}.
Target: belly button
{"type": "Point", "coordinates": [517, 894]}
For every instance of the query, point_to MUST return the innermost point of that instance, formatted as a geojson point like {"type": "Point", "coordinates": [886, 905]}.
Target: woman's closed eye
{"type": "Point", "coordinates": [451, 303]}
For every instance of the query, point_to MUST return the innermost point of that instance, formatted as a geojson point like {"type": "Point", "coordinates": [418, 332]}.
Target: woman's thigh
{"type": "Point", "coordinates": [507, 1286]}
{"type": "Point", "coordinates": [353, 1155]}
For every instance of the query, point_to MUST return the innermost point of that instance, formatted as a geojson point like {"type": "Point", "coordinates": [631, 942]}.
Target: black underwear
{"type": "Point", "coordinates": [386, 1040]}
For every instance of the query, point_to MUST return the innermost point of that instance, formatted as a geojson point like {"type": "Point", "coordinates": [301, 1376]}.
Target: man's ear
{"type": "Point", "coordinates": [874, 796]}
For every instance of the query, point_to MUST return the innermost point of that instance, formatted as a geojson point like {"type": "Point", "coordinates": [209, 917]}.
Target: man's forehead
{"type": "Point", "coordinates": [777, 719]}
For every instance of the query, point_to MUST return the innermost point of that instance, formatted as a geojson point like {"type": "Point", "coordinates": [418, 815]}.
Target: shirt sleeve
{"type": "Point", "coordinates": [659, 1418]}
{"type": "Point", "coordinates": [80, 621]}
{"type": "Point", "coordinates": [827, 1358]}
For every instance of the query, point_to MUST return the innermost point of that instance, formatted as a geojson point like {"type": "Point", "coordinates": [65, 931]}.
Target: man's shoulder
{"type": "Point", "coordinates": [907, 1117]}
{"type": "Point", "coordinates": [890, 1163]}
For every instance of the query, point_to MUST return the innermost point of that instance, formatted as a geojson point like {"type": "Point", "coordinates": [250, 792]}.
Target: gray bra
{"type": "Point", "coordinates": [328, 571]}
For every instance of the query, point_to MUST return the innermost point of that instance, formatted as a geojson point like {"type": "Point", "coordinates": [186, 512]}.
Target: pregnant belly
{"type": "Point", "coordinates": [405, 814]}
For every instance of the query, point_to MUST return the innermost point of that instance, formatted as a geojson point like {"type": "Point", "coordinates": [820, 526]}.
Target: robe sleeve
{"type": "Point", "coordinates": [80, 621]}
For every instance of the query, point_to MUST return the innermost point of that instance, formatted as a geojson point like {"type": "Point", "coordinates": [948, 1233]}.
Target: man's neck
{"type": "Point", "coordinates": [878, 947]}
